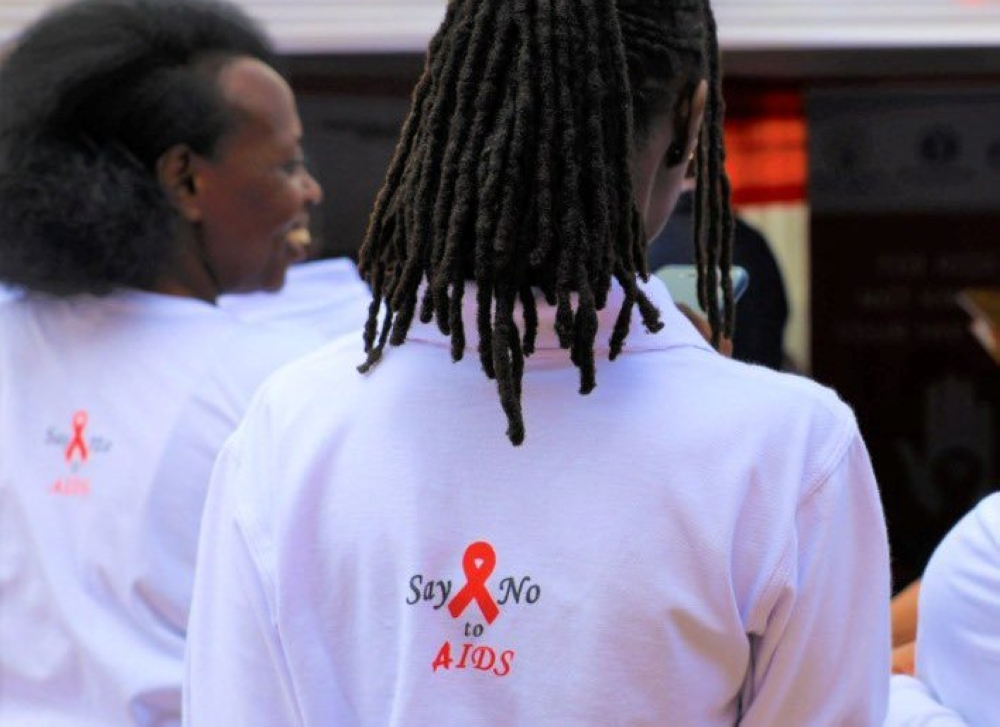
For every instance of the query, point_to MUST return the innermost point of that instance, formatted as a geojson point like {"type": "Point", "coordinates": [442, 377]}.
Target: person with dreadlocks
{"type": "Point", "coordinates": [149, 161]}
{"type": "Point", "coordinates": [692, 541]}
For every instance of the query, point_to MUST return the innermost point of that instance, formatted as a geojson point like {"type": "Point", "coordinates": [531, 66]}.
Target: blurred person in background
{"type": "Point", "coordinates": [953, 666]}
{"type": "Point", "coordinates": [762, 311]}
{"type": "Point", "coordinates": [150, 161]}
{"type": "Point", "coordinates": [946, 624]}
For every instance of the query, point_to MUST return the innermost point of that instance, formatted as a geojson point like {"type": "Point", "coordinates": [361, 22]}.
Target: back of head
{"type": "Point", "coordinates": [90, 97]}
{"type": "Point", "coordinates": [513, 170]}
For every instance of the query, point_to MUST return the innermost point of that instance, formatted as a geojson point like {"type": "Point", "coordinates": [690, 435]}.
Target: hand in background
{"type": "Point", "coordinates": [904, 614]}
{"type": "Point", "coordinates": [699, 322]}
{"type": "Point", "coordinates": [904, 659]}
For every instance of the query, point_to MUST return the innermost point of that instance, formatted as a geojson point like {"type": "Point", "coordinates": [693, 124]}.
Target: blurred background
{"type": "Point", "coordinates": [864, 144]}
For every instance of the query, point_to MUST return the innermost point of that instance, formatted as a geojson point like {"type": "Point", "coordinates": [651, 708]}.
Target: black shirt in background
{"type": "Point", "coordinates": [762, 311]}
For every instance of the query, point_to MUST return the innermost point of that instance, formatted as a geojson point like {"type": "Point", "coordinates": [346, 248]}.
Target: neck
{"type": "Point", "coordinates": [189, 275]}
{"type": "Point", "coordinates": [170, 286]}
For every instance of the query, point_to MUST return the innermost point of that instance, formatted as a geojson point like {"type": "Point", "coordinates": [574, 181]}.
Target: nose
{"type": "Point", "coordinates": [313, 191]}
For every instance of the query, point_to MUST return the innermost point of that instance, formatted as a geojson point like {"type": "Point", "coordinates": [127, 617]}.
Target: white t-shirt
{"type": "Point", "coordinates": [958, 632]}
{"type": "Point", "coordinates": [696, 542]}
{"type": "Point", "coordinates": [327, 295]}
{"type": "Point", "coordinates": [105, 405]}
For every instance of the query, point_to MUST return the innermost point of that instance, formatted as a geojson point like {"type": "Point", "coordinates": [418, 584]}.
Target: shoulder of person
{"type": "Point", "coordinates": [245, 354]}
{"type": "Point", "coordinates": [784, 414]}
{"type": "Point", "coordinates": [784, 392]}
{"type": "Point", "coordinates": [269, 344]}
{"type": "Point", "coordinates": [329, 367]}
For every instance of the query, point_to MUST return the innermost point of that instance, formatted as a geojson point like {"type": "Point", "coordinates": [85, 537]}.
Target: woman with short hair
{"type": "Point", "coordinates": [150, 161]}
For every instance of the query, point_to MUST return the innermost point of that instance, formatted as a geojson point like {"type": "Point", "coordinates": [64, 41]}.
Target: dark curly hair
{"type": "Point", "coordinates": [90, 98]}
{"type": "Point", "coordinates": [513, 170]}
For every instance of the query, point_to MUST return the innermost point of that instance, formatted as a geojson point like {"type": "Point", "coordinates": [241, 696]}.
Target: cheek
{"type": "Point", "coordinates": [662, 201]}
{"type": "Point", "coordinates": [280, 202]}
{"type": "Point", "coordinates": [263, 197]}
{"type": "Point", "coordinates": [243, 235]}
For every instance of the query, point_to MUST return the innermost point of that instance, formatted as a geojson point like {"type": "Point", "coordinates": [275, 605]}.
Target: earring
{"type": "Point", "coordinates": [675, 154]}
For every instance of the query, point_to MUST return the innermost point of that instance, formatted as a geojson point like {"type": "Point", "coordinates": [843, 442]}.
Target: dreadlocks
{"type": "Point", "coordinates": [513, 170]}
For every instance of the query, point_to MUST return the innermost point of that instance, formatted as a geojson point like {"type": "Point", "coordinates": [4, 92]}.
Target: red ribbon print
{"type": "Point", "coordinates": [77, 444]}
{"type": "Point", "coordinates": [475, 587]}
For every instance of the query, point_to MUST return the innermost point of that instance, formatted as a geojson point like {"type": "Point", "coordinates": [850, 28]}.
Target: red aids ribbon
{"type": "Point", "coordinates": [475, 587]}
{"type": "Point", "coordinates": [77, 444]}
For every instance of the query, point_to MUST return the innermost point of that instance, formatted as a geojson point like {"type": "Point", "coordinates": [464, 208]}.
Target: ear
{"type": "Point", "coordinates": [175, 171]}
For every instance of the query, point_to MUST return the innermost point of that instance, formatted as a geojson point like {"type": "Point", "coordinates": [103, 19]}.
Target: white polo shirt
{"type": "Point", "coordinates": [958, 630]}
{"type": "Point", "coordinates": [111, 413]}
{"type": "Point", "coordinates": [696, 542]}
{"type": "Point", "coordinates": [327, 295]}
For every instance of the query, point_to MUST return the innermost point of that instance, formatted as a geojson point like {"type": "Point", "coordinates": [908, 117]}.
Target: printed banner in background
{"type": "Point", "coordinates": [905, 193]}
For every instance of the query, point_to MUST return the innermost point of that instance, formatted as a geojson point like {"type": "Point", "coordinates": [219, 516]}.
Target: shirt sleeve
{"type": "Point", "coordinates": [823, 657]}
{"type": "Point", "coordinates": [911, 704]}
{"type": "Point", "coordinates": [172, 514]}
{"type": "Point", "coordinates": [235, 669]}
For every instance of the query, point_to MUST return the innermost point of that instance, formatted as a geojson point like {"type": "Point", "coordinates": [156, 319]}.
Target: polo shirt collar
{"type": "Point", "coordinates": [677, 330]}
